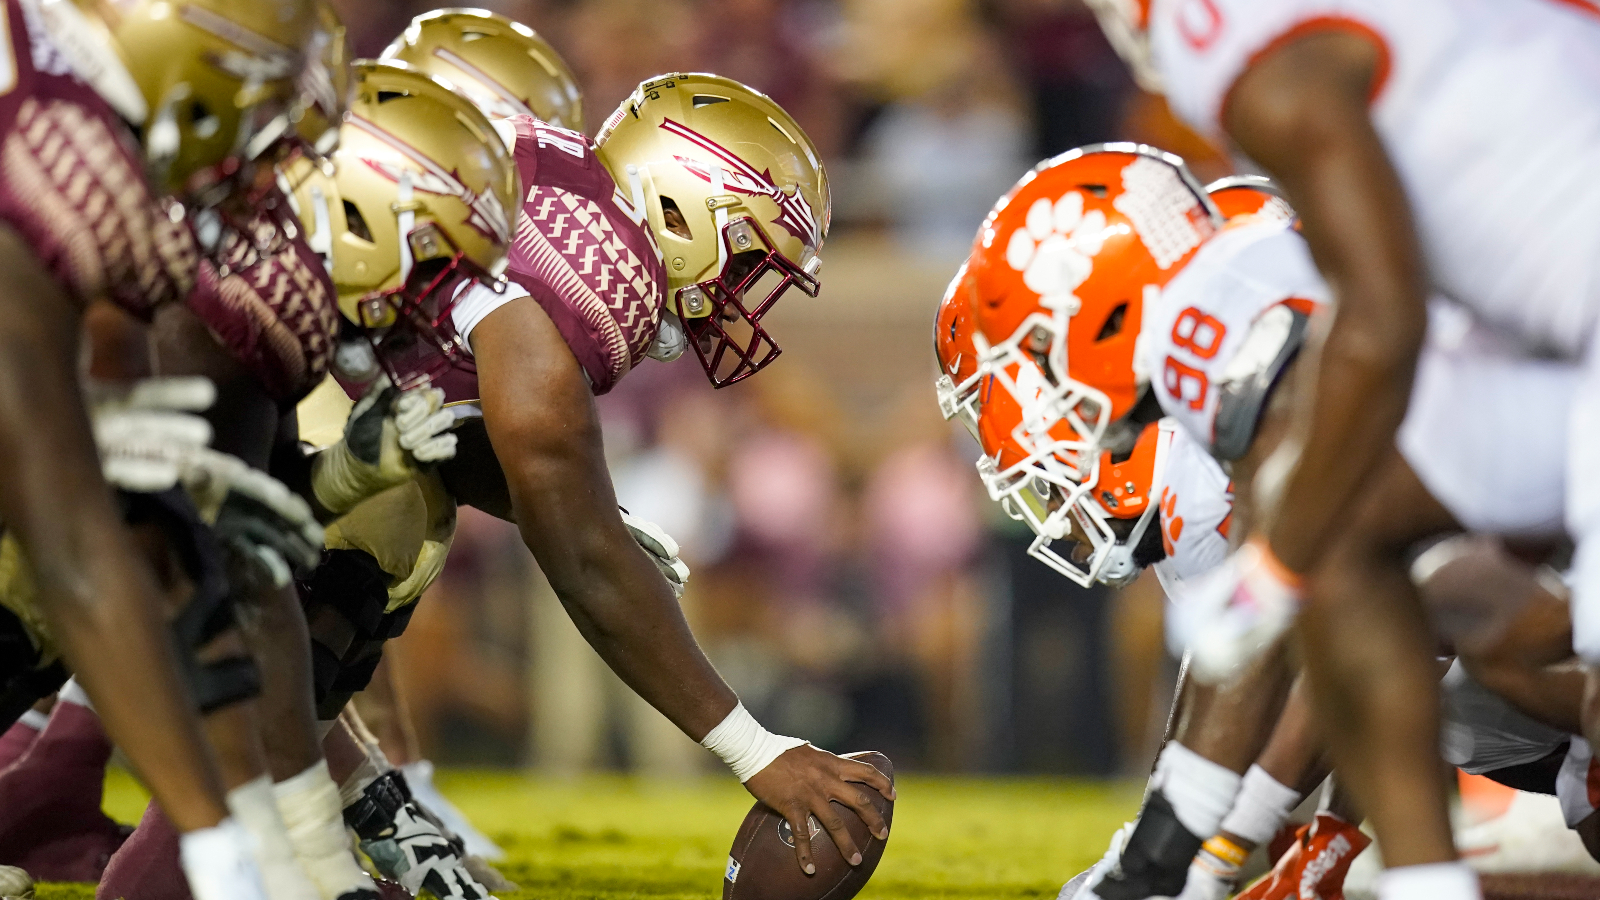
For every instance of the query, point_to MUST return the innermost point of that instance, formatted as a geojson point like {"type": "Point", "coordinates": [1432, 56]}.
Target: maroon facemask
{"type": "Point", "coordinates": [730, 341]}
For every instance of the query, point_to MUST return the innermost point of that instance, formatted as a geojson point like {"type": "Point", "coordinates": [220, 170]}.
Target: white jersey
{"type": "Point", "coordinates": [1195, 327]}
{"type": "Point", "coordinates": [1196, 503]}
{"type": "Point", "coordinates": [1487, 428]}
{"type": "Point", "coordinates": [1481, 732]}
{"type": "Point", "coordinates": [1490, 112]}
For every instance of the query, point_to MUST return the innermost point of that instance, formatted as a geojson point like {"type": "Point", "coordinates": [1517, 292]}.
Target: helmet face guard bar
{"type": "Point", "coordinates": [727, 357]}
{"type": "Point", "coordinates": [421, 342]}
{"type": "Point", "coordinates": [1110, 559]}
{"type": "Point", "coordinates": [960, 401]}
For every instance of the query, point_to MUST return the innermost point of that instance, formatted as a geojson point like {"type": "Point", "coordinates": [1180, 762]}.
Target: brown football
{"type": "Point", "coordinates": [762, 866]}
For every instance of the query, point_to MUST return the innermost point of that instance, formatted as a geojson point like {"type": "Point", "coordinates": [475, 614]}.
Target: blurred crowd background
{"type": "Point", "coordinates": [850, 579]}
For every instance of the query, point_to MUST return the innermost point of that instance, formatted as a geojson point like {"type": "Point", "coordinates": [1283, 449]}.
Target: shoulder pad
{"type": "Point", "coordinates": [1247, 381]}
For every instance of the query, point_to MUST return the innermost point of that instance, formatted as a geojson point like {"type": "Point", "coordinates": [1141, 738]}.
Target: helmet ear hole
{"type": "Point", "coordinates": [1113, 325]}
{"type": "Point", "coordinates": [355, 223]}
{"type": "Point", "coordinates": [675, 220]}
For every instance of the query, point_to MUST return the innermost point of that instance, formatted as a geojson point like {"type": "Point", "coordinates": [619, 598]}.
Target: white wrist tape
{"type": "Point", "coordinates": [747, 748]}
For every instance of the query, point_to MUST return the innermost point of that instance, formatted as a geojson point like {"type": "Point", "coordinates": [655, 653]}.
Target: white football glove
{"type": "Point", "coordinates": [663, 550]}
{"type": "Point", "coordinates": [389, 436]}
{"type": "Point", "coordinates": [145, 434]}
{"type": "Point", "coordinates": [1237, 610]}
{"type": "Point", "coordinates": [254, 515]}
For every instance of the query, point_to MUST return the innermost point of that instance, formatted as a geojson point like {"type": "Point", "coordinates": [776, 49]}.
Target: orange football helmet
{"type": "Point", "coordinates": [1242, 197]}
{"type": "Point", "coordinates": [1061, 268]}
{"type": "Point", "coordinates": [1103, 527]}
{"type": "Point", "coordinates": [957, 382]}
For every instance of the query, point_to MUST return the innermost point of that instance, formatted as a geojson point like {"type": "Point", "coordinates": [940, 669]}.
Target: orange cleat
{"type": "Point", "coordinates": [1315, 866]}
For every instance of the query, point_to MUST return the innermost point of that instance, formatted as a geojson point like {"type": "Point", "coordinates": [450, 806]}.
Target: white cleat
{"type": "Point", "coordinates": [419, 775]}
{"type": "Point", "coordinates": [15, 884]}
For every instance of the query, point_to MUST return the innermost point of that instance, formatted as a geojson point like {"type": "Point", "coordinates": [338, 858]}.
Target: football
{"type": "Point", "coordinates": [761, 865]}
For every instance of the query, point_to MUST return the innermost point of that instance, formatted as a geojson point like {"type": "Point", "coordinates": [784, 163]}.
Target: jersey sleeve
{"type": "Point", "coordinates": [1202, 47]}
{"type": "Point", "coordinates": [585, 254]}
{"type": "Point", "coordinates": [72, 185]}
{"type": "Point", "coordinates": [1192, 336]}
{"type": "Point", "coordinates": [269, 300]}
{"type": "Point", "coordinates": [1196, 508]}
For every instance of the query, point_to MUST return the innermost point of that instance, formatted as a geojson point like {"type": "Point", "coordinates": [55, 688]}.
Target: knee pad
{"type": "Point", "coordinates": [352, 583]}
{"type": "Point", "coordinates": [209, 611]}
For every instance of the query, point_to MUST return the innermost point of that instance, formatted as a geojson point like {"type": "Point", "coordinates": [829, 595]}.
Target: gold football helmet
{"type": "Point", "coordinates": [738, 201]}
{"type": "Point", "coordinates": [502, 66]}
{"type": "Point", "coordinates": [418, 204]}
{"type": "Point", "coordinates": [212, 83]}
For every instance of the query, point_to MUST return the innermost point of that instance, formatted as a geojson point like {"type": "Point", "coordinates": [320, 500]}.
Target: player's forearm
{"type": "Point", "coordinates": [1302, 113]}
{"type": "Point", "coordinates": [624, 609]}
{"type": "Point", "coordinates": [1350, 417]}
{"type": "Point", "coordinates": [95, 591]}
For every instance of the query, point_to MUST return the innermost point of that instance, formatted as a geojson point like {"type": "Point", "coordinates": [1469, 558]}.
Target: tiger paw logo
{"type": "Point", "coordinates": [1055, 248]}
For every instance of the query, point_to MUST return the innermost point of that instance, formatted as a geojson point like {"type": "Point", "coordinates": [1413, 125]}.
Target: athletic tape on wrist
{"type": "Point", "coordinates": [747, 748]}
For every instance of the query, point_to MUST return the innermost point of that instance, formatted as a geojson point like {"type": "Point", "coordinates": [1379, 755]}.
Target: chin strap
{"type": "Point", "coordinates": [405, 220]}
{"type": "Point", "coordinates": [720, 216]}
{"type": "Point", "coordinates": [321, 240]}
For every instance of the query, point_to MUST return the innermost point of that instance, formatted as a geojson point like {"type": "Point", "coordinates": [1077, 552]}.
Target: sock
{"type": "Point", "coordinates": [1200, 791]}
{"type": "Point", "coordinates": [375, 766]}
{"type": "Point", "coordinates": [1431, 881]}
{"type": "Point", "coordinates": [253, 806]}
{"type": "Point", "coordinates": [1261, 808]}
{"type": "Point", "coordinates": [218, 865]}
{"type": "Point", "coordinates": [309, 803]}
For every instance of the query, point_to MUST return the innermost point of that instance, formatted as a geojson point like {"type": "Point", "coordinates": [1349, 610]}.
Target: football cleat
{"type": "Point", "coordinates": [15, 884]}
{"type": "Point", "coordinates": [419, 776]}
{"type": "Point", "coordinates": [406, 846]}
{"type": "Point", "coordinates": [1153, 861]}
{"type": "Point", "coordinates": [1316, 864]}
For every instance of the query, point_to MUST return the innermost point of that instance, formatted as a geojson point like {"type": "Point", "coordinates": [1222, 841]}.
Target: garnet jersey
{"type": "Point", "coordinates": [1194, 329]}
{"type": "Point", "coordinates": [266, 296]}
{"type": "Point", "coordinates": [1490, 113]}
{"type": "Point", "coordinates": [71, 182]}
{"type": "Point", "coordinates": [583, 251]}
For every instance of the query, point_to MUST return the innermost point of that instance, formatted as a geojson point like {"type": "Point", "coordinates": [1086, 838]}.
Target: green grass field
{"type": "Point", "coordinates": [615, 838]}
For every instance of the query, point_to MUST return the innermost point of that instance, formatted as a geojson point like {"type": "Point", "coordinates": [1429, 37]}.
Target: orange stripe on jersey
{"type": "Point", "coordinates": [1303, 306]}
{"type": "Point", "coordinates": [1592, 782]}
{"type": "Point", "coordinates": [1380, 77]}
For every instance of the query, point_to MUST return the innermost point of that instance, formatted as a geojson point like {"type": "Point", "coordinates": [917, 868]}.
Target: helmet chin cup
{"type": "Point", "coordinates": [410, 326]}
{"type": "Point", "coordinates": [723, 323]}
